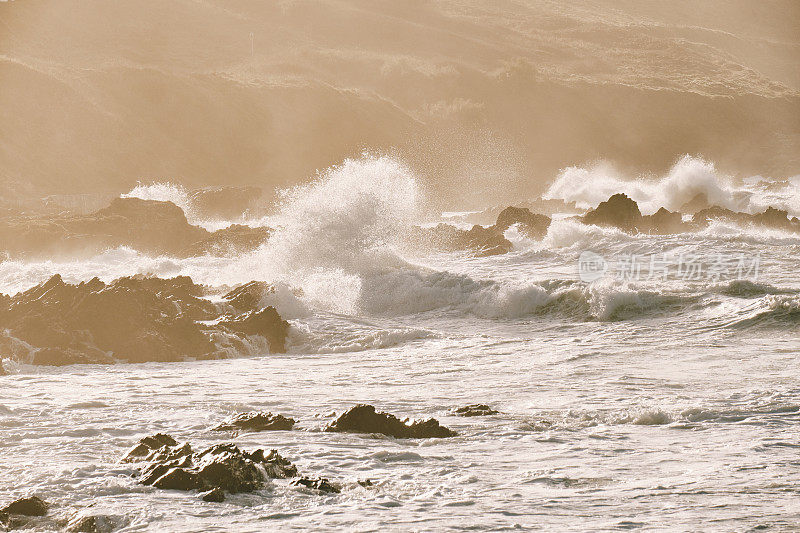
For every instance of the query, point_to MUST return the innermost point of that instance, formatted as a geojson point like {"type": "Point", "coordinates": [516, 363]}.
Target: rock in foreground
{"type": "Point", "coordinates": [364, 419]}
{"type": "Point", "coordinates": [256, 422]}
{"type": "Point", "coordinates": [222, 467]}
{"type": "Point", "coordinates": [17, 513]}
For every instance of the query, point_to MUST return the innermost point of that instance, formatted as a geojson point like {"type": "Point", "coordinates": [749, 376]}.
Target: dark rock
{"type": "Point", "coordinates": [320, 484]}
{"type": "Point", "coordinates": [226, 467]}
{"type": "Point", "coordinates": [31, 506]}
{"type": "Point", "coordinates": [275, 465]}
{"type": "Point", "coordinates": [256, 422]}
{"type": "Point", "coordinates": [135, 319]}
{"type": "Point", "coordinates": [663, 222]}
{"type": "Point", "coordinates": [178, 479]}
{"type": "Point", "coordinates": [214, 495]}
{"type": "Point", "coordinates": [618, 211]}
{"type": "Point", "coordinates": [771, 218]}
{"type": "Point", "coordinates": [532, 225]}
{"type": "Point", "coordinates": [91, 524]}
{"type": "Point", "coordinates": [364, 419]}
{"type": "Point", "coordinates": [223, 467]}
{"type": "Point", "coordinates": [366, 482]}
{"type": "Point", "coordinates": [147, 445]}
{"type": "Point", "coordinates": [475, 410]}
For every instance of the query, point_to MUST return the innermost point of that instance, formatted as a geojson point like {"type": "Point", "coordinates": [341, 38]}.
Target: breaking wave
{"type": "Point", "coordinates": [687, 178]}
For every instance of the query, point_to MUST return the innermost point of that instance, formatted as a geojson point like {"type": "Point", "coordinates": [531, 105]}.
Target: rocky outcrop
{"type": "Point", "coordinates": [622, 212]}
{"type": "Point", "coordinates": [133, 319]}
{"type": "Point", "coordinates": [212, 472]}
{"type": "Point", "coordinates": [663, 222]}
{"type": "Point", "coordinates": [770, 218]}
{"type": "Point", "coordinates": [477, 409]}
{"type": "Point", "coordinates": [618, 211]}
{"type": "Point", "coordinates": [481, 241]}
{"type": "Point", "coordinates": [251, 422]}
{"type": "Point", "coordinates": [248, 297]}
{"type": "Point", "coordinates": [364, 419]}
{"type": "Point", "coordinates": [530, 224]}
{"type": "Point", "coordinates": [17, 513]}
{"type": "Point", "coordinates": [319, 484]}
{"type": "Point", "coordinates": [150, 226]}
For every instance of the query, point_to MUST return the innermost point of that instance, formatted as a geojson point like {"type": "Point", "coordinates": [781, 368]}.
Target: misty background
{"type": "Point", "coordinates": [485, 100]}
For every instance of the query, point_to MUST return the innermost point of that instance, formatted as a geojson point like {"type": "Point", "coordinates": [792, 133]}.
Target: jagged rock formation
{"type": "Point", "coordinates": [133, 319]}
{"type": "Point", "coordinates": [364, 419]}
{"type": "Point", "coordinates": [256, 422]}
{"type": "Point", "coordinates": [212, 472]}
{"type": "Point", "coordinates": [771, 218]}
{"type": "Point", "coordinates": [622, 212]}
{"type": "Point", "coordinates": [482, 241]}
{"type": "Point", "coordinates": [531, 224]}
{"type": "Point", "coordinates": [149, 226]}
{"type": "Point", "coordinates": [618, 211]}
{"type": "Point", "coordinates": [248, 297]}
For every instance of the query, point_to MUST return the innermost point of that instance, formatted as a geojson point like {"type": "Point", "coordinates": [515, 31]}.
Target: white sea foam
{"type": "Point", "coordinates": [687, 178]}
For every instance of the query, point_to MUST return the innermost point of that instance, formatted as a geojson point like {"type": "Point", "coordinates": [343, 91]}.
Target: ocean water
{"type": "Point", "coordinates": [655, 388]}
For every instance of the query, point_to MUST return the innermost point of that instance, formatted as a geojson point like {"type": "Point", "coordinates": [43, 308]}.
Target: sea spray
{"type": "Point", "coordinates": [688, 178]}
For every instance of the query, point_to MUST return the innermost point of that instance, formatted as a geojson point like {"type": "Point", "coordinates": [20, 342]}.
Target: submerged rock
{"type": "Point", "coordinates": [364, 419]}
{"type": "Point", "coordinates": [134, 319]}
{"type": "Point", "coordinates": [256, 422]}
{"type": "Point", "coordinates": [91, 524]}
{"type": "Point", "coordinates": [321, 484]}
{"type": "Point", "coordinates": [475, 410]}
{"type": "Point", "coordinates": [217, 469]}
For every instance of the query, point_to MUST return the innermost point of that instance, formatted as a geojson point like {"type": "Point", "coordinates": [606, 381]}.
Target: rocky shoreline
{"type": "Point", "coordinates": [222, 469]}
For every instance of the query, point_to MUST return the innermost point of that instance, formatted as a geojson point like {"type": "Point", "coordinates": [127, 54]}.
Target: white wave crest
{"type": "Point", "coordinates": [687, 178]}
